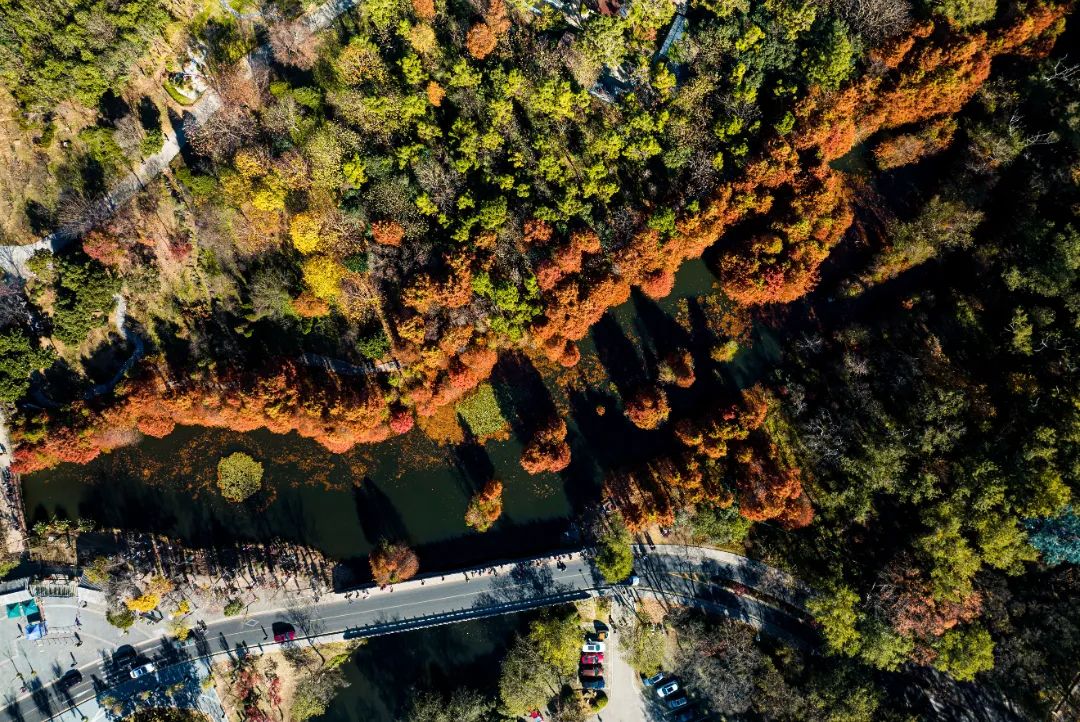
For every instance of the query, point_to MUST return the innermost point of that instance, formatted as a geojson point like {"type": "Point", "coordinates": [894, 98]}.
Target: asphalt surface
{"type": "Point", "coordinates": [439, 599]}
{"type": "Point", "coordinates": [668, 572]}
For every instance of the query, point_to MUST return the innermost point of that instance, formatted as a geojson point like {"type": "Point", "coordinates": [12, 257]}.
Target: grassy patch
{"type": "Point", "coordinates": [176, 95]}
{"type": "Point", "coordinates": [480, 412]}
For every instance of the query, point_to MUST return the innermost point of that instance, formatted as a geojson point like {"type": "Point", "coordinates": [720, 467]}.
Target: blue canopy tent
{"type": "Point", "coordinates": [35, 631]}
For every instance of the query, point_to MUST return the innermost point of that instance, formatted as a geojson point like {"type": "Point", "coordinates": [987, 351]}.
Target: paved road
{"type": "Point", "coordinates": [677, 574]}
{"type": "Point", "coordinates": [414, 604]}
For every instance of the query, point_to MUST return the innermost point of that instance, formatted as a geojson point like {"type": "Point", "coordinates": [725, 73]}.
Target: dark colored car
{"type": "Point", "coordinates": [687, 715]}
{"type": "Point", "coordinates": [677, 702]}
{"type": "Point", "coordinates": [595, 683]}
{"type": "Point", "coordinates": [70, 679]}
{"type": "Point", "coordinates": [124, 654]}
{"type": "Point", "coordinates": [592, 659]}
{"type": "Point", "coordinates": [597, 671]}
{"type": "Point", "coordinates": [283, 632]}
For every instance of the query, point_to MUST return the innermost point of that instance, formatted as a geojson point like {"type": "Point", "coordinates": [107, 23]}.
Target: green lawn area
{"type": "Point", "coordinates": [481, 413]}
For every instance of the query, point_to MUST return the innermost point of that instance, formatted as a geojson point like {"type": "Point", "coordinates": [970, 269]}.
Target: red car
{"type": "Point", "coordinates": [285, 636]}
{"type": "Point", "coordinates": [597, 671]}
{"type": "Point", "coordinates": [589, 659]}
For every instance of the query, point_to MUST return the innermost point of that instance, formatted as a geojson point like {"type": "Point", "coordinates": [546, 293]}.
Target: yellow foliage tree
{"type": "Point", "coordinates": [304, 231]}
{"type": "Point", "coordinates": [323, 276]}
{"type": "Point", "coordinates": [159, 586]}
{"type": "Point", "coordinates": [422, 39]}
{"type": "Point", "coordinates": [250, 163]}
{"type": "Point", "coordinates": [143, 604]}
{"type": "Point", "coordinates": [180, 630]}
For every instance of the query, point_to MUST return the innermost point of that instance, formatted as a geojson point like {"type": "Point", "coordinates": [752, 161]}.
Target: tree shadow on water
{"type": "Point", "coordinates": [660, 328]}
{"type": "Point", "coordinates": [618, 355]}
{"type": "Point", "coordinates": [379, 518]}
{"type": "Point", "coordinates": [474, 464]}
{"type": "Point", "coordinates": [523, 397]}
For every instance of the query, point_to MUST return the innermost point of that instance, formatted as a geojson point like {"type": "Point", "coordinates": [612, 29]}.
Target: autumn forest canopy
{"type": "Point", "coordinates": [378, 227]}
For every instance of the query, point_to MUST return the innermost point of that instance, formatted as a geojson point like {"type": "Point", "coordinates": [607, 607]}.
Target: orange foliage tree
{"type": "Point", "coordinates": [648, 407]}
{"type": "Point", "coordinates": [424, 9]}
{"type": "Point", "coordinates": [678, 368]}
{"type": "Point", "coordinates": [547, 450]}
{"type": "Point", "coordinates": [387, 233]}
{"type": "Point", "coordinates": [393, 562]}
{"type": "Point", "coordinates": [484, 36]}
{"type": "Point", "coordinates": [281, 397]}
{"type": "Point", "coordinates": [770, 488]}
{"type": "Point", "coordinates": [485, 507]}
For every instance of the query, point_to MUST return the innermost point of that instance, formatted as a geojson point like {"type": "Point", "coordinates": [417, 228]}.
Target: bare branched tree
{"type": "Point", "coordinates": [875, 20]}
{"type": "Point", "coordinates": [293, 44]}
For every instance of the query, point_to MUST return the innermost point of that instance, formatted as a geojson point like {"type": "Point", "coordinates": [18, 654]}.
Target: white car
{"type": "Point", "coordinates": [143, 670]}
{"type": "Point", "coordinates": [593, 647]}
{"type": "Point", "coordinates": [667, 690]}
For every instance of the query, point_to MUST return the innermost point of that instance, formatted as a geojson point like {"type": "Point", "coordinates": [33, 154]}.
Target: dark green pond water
{"type": "Point", "coordinates": [408, 488]}
{"type": "Point", "coordinates": [386, 672]}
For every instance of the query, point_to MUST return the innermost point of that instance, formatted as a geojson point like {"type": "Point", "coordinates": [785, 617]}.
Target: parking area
{"type": "Point", "coordinates": [665, 698]}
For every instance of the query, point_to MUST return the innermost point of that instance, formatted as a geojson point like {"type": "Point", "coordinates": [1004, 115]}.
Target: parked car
{"type": "Point", "coordinates": [595, 683]}
{"type": "Point", "coordinates": [677, 702]}
{"type": "Point", "coordinates": [654, 680]}
{"type": "Point", "coordinates": [668, 689]}
{"type": "Point", "coordinates": [592, 659]}
{"type": "Point", "coordinates": [71, 678]}
{"type": "Point", "coordinates": [593, 647]}
{"type": "Point", "coordinates": [687, 715]}
{"type": "Point", "coordinates": [597, 671]}
{"type": "Point", "coordinates": [143, 669]}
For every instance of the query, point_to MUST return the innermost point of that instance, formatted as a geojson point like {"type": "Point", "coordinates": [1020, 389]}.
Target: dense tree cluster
{"type": "Point", "coordinates": [360, 233]}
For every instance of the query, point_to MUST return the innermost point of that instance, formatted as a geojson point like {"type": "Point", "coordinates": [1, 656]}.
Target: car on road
{"type": "Point", "coordinates": [142, 670]}
{"type": "Point", "coordinates": [595, 683]}
{"type": "Point", "coordinates": [654, 680]}
{"type": "Point", "coordinates": [668, 689]}
{"type": "Point", "coordinates": [71, 678]}
{"type": "Point", "coordinates": [593, 647]}
{"type": "Point", "coordinates": [283, 632]}
{"type": "Point", "coordinates": [124, 654]}
{"type": "Point", "coordinates": [592, 659]}
{"type": "Point", "coordinates": [677, 702]}
{"type": "Point", "coordinates": [597, 671]}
